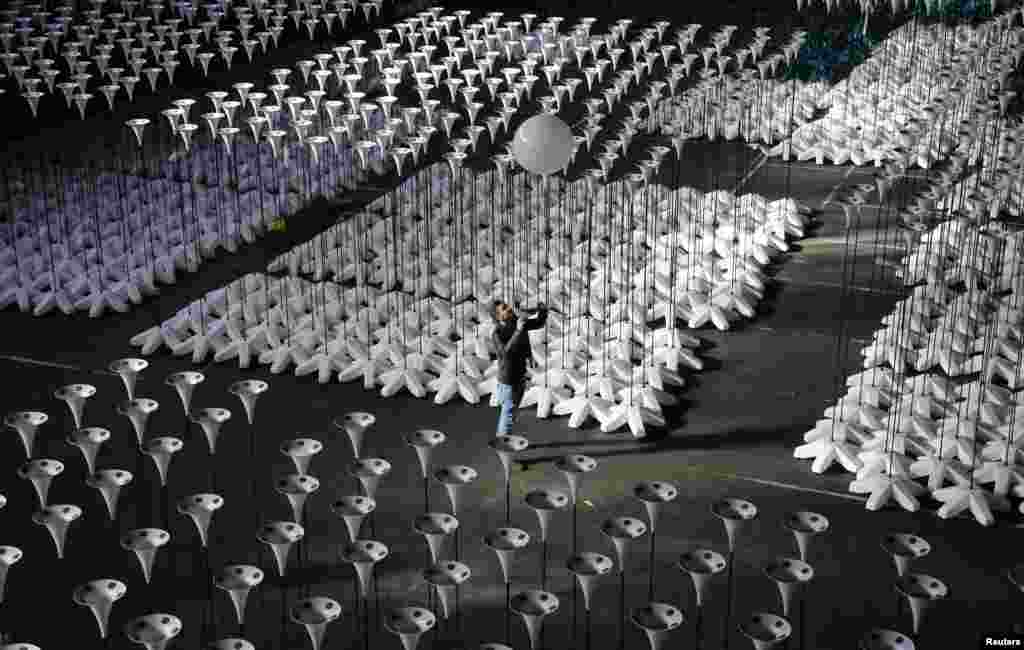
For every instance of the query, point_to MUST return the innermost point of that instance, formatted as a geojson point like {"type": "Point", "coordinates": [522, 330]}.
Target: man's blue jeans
{"type": "Point", "coordinates": [509, 398]}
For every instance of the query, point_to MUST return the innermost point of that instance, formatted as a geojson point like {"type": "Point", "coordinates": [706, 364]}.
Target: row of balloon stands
{"type": "Point", "coordinates": [170, 49]}
{"type": "Point", "coordinates": [612, 513]}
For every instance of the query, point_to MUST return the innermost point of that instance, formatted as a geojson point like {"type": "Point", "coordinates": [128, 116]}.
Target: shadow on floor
{"type": "Point", "coordinates": [741, 437]}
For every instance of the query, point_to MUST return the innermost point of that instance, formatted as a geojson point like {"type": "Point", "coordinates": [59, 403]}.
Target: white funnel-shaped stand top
{"type": "Point", "coordinates": [128, 370]}
{"type": "Point", "coordinates": [27, 424]}
{"type": "Point", "coordinates": [211, 420]}
{"type": "Point", "coordinates": [99, 596]}
{"type": "Point", "coordinates": [57, 519]}
{"type": "Point", "coordinates": [702, 564]}
{"type": "Point", "coordinates": [145, 542]}
{"type": "Point", "coordinates": [789, 574]}
{"type": "Point", "coordinates": [657, 620]}
{"type": "Point", "coordinates": [20, 646]}
{"type": "Point", "coordinates": [315, 614]}
{"type": "Point", "coordinates": [765, 630]}
{"type": "Point", "coordinates": [922, 591]}
{"type": "Point", "coordinates": [804, 525]}
{"type": "Point", "coordinates": [232, 643]}
{"type": "Point", "coordinates": [507, 446]}
{"type": "Point", "coordinates": [138, 411]}
{"type": "Point", "coordinates": [654, 494]}
{"type": "Point", "coordinates": [409, 624]}
{"type": "Point", "coordinates": [154, 631]}
{"type": "Point", "coordinates": [573, 467]}
{"type": "Point", "coordinates": [364, 554]}
{"type": "Point", "coordinates": [355, 425]}
{"type": "Point", "coordinates": [297, 488]}
{"type": "Point", "coordinates": [534, 606]}
{"type": "Point", "coordinates": [733, 513]}
{"type": "Point", "coordinates": [621, 531]}
{"type": "Point", "coordinates": [435, 527]}
{"type": "Point", "coordinates": [588, 569]}
{"type": "Point", "coordinates": [445, 577]}
{"type": "Point", "coordinates": [904, 548]}
{"type": "Point", "coordinates": [75, 396]}
{"type": "Point", "coordinates": [302, 451]}
{"type": "Point", "coordinates": [885, 640]}
{"type": "Point", "coordinates": [353, 509]}
{"type": "Point", "coordinates": [184, 383]}
{"type": "Point", "coordinates": [424, 442]}
{"type": "Point", "coordinates": [248, 391]}
{"type": "Point", "coordinates": [455, 479]}
{"type": "Point", "coordinates": [238, 580]}
{"type": "Point", "coordinates": [505, 542]}
{"type": "Point", "coordinates": [493, 646]}
{"type": "Point", "coordinates": [9, 556]}
{"type": "Point", "coordinates": [281, 536]}
{"type": "Point", "coordinates": [162, 451]}
{"type": "Point", "coordinates": [200, 509]}
{"type": "Point", "coordinates": [544, 503]}
{"type": "Point", "coordinates": [369, 471]}
{"type": "Point", "coordinates": [89, 441]}
{"type": "Point", "coordinates": [40, 473]}
{"type": "Point", "coordinates": [109, 483]}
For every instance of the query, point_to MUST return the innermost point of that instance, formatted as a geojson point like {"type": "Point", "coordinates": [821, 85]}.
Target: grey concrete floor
{"type": "Point", "coordinates": [767, 383]}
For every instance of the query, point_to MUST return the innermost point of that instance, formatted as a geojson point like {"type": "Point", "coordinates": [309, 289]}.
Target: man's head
{"type": "Point", "coordinates": [503, 312]}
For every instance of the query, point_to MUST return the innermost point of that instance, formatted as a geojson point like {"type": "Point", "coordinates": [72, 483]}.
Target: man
{"type": "Point", "coordinates": [512, 342]}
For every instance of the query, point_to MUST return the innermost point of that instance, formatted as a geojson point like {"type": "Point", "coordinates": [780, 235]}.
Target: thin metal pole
{"type": "Point", "coordinates": [728, 601]}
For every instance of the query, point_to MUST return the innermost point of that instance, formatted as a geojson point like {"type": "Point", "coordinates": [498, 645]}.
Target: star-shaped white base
{"type": "Point", "coordinates": [652, 398]}
{"type": "Point", "coordinates": [284, 356]}
{"type": "Point", "coordinates": [581, 407]}
{"type": "Point", "coordinates": [882, 461]}
{"type": "Point", "coordinates": [708, 312]}
{"type": "Point", "coordinates": [883, 488]}
{"type": "Point", "coordinates": [674, 357]}
{"type": "Point", "coordinates": [545, 398]}
{"type": "Point", "coordinates": [1002, 449]}
{"type": "Point", "coordinates": [98, 301]}
{"type": "Point", "coordinates": [734, 300]}
{"type": "Point", "coordinates": [671, 312]}
{"type": "Point", "coordinates": [660, 376]}
{"type": "Point", "coordinates": [450, 384]}
{"type": "Point", "coordinates": [940, 471]}
{"type": "Point", "coordinates": [958, 498]}
{"type": "Point", "coordinates": [1003, 476]}
{"type": "Point", "coordinates": [361, 365]}
{"type": "Point", "coordinates": [324, 365]}
{"type": "Point", "coordinates": [152, 339]}
{"type": "Point", "coordinates": [460, 363]}
{"type": "Point", "coordinates": [599, 383]}
{"type": "Point", "coordinates": [200, 346]}
{"type": "Point", "coordinates": [632, 413]}
{"type": "Point", "coordinates": [827, 448]}
{"type": "Point", "coordinates": [56, 299]}
{"type": "Point", "coordinates": [408, 375]}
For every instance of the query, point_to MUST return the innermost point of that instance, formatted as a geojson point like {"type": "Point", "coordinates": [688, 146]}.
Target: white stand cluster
{"type": "Point", "coordinates": [614, 355]}
{"type": "Point", "coordinates": [239, 168]}
{"type": "Point", "coordinates": [101, 55]}
{"type": "Point", "coordinates": [887, 108]}
{"type": "Point", "coordinates": [935, 408]}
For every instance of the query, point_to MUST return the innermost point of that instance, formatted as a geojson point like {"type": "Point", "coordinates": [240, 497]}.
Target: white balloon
{"type": "Point", "coordinates": [543, 144]}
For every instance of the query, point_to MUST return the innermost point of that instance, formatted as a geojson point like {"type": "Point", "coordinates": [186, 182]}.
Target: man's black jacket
{"type": "Point", "coordinates": [513, 345]}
